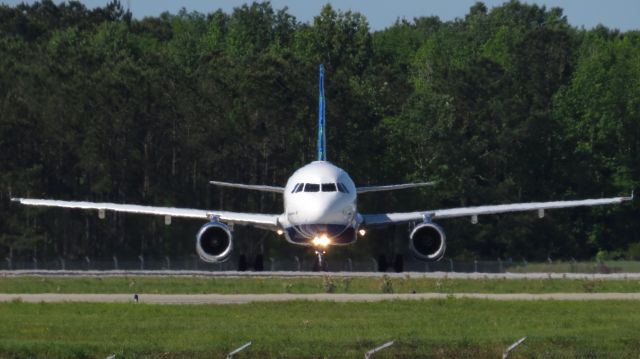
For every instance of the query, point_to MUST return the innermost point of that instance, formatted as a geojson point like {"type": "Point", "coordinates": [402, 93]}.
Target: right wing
{"type": "Point", "coordinates": [383, 219]}
{"type": "Point", "coordinates": [264, 221]}
{"type": "Point", "coordinates": [255, 187]}
{"type": "Point", "coordinates": [392, 187]}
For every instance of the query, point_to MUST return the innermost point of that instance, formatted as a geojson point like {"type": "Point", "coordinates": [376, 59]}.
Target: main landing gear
{"type": "Point", "coordinates": [243, 265]}
{"type": "Point", "coordinates": [397, 264]}
{"type": "Point", "coordinates": [320, 265]}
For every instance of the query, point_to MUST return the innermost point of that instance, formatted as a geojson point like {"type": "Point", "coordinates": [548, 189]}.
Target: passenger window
{"type": "Point", "coordinates": [311, 187]}
{"type": "Point", "coordinates": [328, 187]}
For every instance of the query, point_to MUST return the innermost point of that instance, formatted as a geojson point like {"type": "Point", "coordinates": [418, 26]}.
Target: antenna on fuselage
{"type": "Point", "coordinates": [322, 137]}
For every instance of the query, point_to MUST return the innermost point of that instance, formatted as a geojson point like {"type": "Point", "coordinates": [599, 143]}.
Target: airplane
{"type": "Point", "coordinates": [320, 210]}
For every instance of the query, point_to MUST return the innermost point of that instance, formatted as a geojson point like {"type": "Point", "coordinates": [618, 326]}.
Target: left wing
{"type": "Point", "coordinates": [392, 187]}
{"type": "Point", "coordinates": [255, 187]}
{"type": "Point", "coordinates": [473, 212]}
{"type": "Point", "coordinates": [265, 221]}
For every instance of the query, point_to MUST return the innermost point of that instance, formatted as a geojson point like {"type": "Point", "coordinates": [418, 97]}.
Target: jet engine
{"type": "Point", "coordinates": [214, 242]}
{"type": "Point", "coordinates": [427, 241]}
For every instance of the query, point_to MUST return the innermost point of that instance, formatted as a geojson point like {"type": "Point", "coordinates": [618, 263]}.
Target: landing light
{"type": "Point", "coordinates": [362, 232]}
{"type": "Point", "coordinates": [321, 241]}
{"type": "Point", "coordinates": [280, 232]}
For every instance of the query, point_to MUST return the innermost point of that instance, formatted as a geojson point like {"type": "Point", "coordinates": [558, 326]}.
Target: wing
{"type": "Point", "coordinates": [473, 212]}
{"type": "Point", "coordinates": [265, 221]}
{"type": "Point", "coordinates": [392, 187]}
{"type": "Point", "coordinates": [254, 187]}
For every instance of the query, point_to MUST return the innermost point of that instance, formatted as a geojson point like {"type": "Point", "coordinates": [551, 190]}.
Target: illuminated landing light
{"type": "Point", "coordinates": [362, 232]}
{"type": "Point", "coordinates": [321, 241]}
{"type": "Point", "coordinates": [280, 232]}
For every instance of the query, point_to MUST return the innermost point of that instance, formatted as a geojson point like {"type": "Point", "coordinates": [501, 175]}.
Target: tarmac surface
{"type": "Point", "coordinates": [338, 297]}
{"type": "Point", "coordinates": [289, 274]}
{"type": "Point", "coordinates": [252, 298]}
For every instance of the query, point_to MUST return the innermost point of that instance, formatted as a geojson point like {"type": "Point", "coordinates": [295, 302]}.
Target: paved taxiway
{"type": "Point", "coordinates": [290, 274]}
{"type": "Point", "coordinates": [250, 298]}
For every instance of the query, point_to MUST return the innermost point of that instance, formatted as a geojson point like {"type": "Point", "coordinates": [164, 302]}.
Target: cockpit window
{"type": "Point", "coordinates": [311, 187]}
{"type": "Point", "coordinates": [297, 188]}
{"type": "Point", "coordinates": [328, 187]}
{"type": "Point", "coordinates": [342, 188]}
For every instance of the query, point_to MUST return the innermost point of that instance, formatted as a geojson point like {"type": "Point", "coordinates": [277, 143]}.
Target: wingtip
{"type": "Point", "coordinates": [16, 199]}
{"type": "Point", "coordinates": [420, 184]}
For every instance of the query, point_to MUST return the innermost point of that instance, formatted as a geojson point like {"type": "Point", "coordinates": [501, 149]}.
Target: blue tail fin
{"type": "Point", "coordinates": [322, 137]}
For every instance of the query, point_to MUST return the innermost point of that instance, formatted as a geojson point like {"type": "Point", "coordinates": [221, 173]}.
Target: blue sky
{"type": "Point", "coordinates": [620, 14]}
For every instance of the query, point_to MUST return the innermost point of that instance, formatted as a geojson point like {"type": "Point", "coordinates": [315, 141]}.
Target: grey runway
{"type": "Point", "coordinates": [295, 274]}
{"type": "Point", "coordinates": [252, 298]}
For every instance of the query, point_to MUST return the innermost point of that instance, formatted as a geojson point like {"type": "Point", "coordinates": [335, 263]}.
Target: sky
{"type": "Point", "coordinates": [619, 14]}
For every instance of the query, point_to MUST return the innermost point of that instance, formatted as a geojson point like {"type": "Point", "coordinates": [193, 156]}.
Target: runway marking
{"type": "Point", "coordinates": [252, 298]}
{"type": "Point", "coordinates": [294, 274]}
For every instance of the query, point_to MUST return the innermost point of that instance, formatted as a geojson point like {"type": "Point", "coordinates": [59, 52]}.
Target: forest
{"type": "Point", "coordinates": [508, 104]}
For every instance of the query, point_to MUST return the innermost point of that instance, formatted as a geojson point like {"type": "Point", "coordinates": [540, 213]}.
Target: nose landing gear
{"type": "Point", "coordinates": [320, 264]}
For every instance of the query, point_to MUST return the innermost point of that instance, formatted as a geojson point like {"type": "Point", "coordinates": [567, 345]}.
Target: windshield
{"type": "Point", "coordinates": [328, 187]}
{"type": "Point", "coordinates": [342, 188]}
{"type": "Point", "coordinates": [311, 187]}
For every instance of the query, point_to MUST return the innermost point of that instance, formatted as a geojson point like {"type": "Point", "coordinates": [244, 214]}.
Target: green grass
{"type": "Point", "coordinates": [448, 328]}
{"type": "Point", "coordinates": [618, 266]}
{"type": "Point", "coordinates": [189, 285]}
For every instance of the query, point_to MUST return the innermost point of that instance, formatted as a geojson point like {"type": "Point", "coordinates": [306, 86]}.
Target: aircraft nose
{"type": "Point", "coordinates": [332, 211]}
{"type": "Point", "coordinates": [312, 212]}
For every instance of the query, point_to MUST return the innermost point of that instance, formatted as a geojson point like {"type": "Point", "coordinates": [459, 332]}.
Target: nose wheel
{"type": "Point", "coordinates": [320, 264]}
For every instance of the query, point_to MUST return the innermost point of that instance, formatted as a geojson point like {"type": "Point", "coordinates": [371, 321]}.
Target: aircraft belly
{"type": "Point", "coordinates": [340, 234]}
{"type": "Point", "coordinates": [330, 216]}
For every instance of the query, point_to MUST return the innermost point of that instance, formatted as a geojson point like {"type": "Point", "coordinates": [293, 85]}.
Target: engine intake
{"type": "Point", "coordinates": [428, 242]}
{"type": "Point", "coordinates": [214, 242]}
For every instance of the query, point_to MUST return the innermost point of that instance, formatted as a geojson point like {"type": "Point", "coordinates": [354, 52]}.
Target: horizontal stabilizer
{"type": "Point", "coordinates": [254, 187]}
{"type": "Point", "coordinates": [392, 187]}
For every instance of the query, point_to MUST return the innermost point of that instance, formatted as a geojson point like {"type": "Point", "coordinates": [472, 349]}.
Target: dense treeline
{"type": "Point", "coordinates": [503, 105]}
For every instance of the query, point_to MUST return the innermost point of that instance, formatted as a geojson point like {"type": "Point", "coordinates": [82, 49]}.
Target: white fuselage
{"type": "Point", "coordinates": [320, 201]}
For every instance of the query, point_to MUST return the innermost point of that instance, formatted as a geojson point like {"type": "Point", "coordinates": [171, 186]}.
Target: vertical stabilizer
{"type": "Point", "coordinates": [322, 137]}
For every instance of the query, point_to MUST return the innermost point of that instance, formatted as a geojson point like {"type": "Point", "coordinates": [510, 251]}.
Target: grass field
{"type": "Point", "coordinates": [187, 285]}
{"type": "Point", "coordinates": [618, 266]}
{"type": "Point", "coordinates": [448, 328]}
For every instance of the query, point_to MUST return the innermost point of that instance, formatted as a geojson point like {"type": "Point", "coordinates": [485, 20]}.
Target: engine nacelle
{"type": "Point", "coordinates": [428, 242]}
{"type": "Point", "coordinates": [214, 242]}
